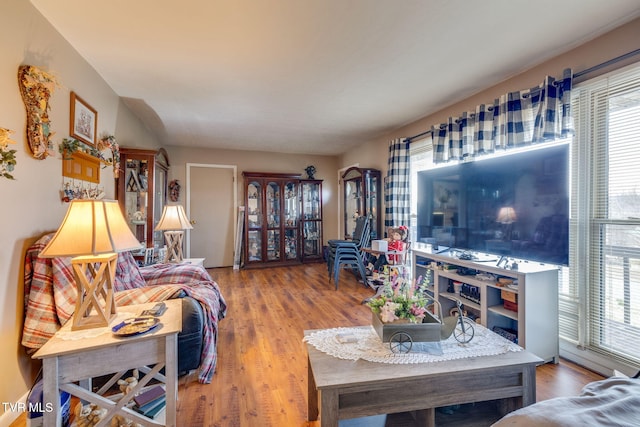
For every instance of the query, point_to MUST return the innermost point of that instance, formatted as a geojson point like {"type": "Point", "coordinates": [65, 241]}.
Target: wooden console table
{"type": "Point", "coordinates": [341, 389]}
{"type": "Point", "coordinates": [67, 361]}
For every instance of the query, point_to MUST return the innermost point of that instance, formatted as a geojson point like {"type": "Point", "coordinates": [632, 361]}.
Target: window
{"type": "Point", "coordinates": [600, 308]}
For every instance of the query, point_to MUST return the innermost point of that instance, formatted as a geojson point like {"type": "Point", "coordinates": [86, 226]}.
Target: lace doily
{"type": "Point", "coordinates": [68, 335]}
{"type": "Point", "coordinates": [365, 344]}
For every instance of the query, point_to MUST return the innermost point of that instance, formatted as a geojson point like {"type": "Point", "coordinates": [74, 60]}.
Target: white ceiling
{"type": "Point", "coordinates": [313, 76]}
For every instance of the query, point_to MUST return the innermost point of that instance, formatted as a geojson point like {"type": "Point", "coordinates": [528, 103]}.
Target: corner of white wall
{"type": "Point", "coordinates": [10, 416]}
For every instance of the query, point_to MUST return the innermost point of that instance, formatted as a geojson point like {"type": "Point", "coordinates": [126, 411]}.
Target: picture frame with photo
{"type": "Point", "coordinates": [83, 121]}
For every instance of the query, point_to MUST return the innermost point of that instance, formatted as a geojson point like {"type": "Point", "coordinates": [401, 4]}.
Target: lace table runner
{"type": "Point", "coordinates": [365, 344]}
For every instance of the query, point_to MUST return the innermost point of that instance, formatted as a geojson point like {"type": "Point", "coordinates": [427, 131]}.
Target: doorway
{"type": "Point", "coordinates": [211, 204]}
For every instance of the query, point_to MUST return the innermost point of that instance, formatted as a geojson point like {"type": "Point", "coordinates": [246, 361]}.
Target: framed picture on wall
{"type": "Point", "coordinates": [83, 121]}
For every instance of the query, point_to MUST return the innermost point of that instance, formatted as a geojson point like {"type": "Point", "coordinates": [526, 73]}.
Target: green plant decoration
{"type": "Point", "coordinates": [7, 156]}
{"type": "Point", "coordinates": [67, 147]}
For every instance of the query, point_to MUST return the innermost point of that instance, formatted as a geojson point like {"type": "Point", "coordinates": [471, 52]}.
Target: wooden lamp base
{"type": "Point", "coordinates": [174, 246]}
{"type": "Point", "coordinates": [95, 303]}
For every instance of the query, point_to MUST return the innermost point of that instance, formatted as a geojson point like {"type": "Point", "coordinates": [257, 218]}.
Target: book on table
{"type": "Point", "coordinates": [153, 409]}
{"type": "Point", "coordinates": [151, 402]}
{"type": "Point", "coordinates": [148, 395]}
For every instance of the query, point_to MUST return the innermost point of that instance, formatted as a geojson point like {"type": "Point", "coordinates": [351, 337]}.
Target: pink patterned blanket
{"type": "Point", "coordinates": [50, 295]}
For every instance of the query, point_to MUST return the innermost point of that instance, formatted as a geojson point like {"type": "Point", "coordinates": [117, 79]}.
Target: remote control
{"type": "Point", "coordinates": [156, 310]}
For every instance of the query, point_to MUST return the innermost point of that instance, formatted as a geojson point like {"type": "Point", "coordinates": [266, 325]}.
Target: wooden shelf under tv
{"type": "Point", "coordinates": [536, 320]}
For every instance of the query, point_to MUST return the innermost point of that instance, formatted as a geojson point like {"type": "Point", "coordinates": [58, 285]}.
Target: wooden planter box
{"type": "Point", "coordinates": [427, 331]}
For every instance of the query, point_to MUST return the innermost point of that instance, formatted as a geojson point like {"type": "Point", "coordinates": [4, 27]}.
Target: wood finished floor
{"type": "Point", "coordinates": [261, 376]}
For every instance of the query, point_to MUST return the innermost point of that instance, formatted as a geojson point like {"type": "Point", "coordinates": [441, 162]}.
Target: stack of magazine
{"type": "Point", "coordinates": [151, 402]}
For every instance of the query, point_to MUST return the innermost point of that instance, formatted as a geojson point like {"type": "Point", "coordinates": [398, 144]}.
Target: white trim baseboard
{"type": "Point", "coordinates": [10, 416]}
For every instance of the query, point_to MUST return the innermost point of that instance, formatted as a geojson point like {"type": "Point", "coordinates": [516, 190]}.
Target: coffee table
{"type": "Point", "coordinates": [341, 389]}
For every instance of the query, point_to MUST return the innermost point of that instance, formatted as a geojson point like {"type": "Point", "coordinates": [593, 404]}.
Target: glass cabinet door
{"type": "Point", "coordinates": [311, 200]}
{"type": "Point", "coordinates": [136, 199]}
{"type": "Point", "coordinates": [371, 203]}
{"type": "Point", "coordinates": [312, 235]}
{"type": "Point", "coordinates": [160, 174]}
{"type": "Point", "coordinates": [273, 245]}
{"type": "Point", "coordinates": [291, 215]}
{"type": "Point", "coordinates": [273, 213]}
{"type": "Point", "coordinates": [311, 217]}
{"type": "Point", "coordinates": [254, 204]}
{"type": "Point", "coordinates": [361, 197]}
{"type": "Point", "coordinates": [254, 221]}
{"type": "Point", "coordinates": [352, 201]}
{"type": "Point", "coordinates": [141, 190]}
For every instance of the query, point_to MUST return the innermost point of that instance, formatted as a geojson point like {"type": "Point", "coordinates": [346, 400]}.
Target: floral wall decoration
{"type": "Point", "coordinates": [174, 190]}
{"type": "Point", "coordinates": [109, 142]}
{"type": "Point", "coordinates": [36, 87]}
{"type": "Point", "coordinates": [7, 156]}
{"type": "Point", "coordinates": [68, 146]}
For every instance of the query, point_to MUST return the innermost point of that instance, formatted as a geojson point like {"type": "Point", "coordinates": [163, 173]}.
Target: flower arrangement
{"type": "Point", "coordinates": [7, 156]}
{"type": "Point", "coordinates": [401, 299]}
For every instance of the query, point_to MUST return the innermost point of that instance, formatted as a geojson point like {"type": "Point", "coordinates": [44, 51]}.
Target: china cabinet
{"type": "Point", "coordinates": [272, 219]}
{"type": "Point", "coordinates": [311, 219]}
{"type": "Point", "coordinates": [141, 190]}
{"type": "Point", "coordinates": [362, 197]}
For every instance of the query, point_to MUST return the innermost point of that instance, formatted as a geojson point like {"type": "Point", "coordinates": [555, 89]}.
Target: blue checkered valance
{"type": "Point", "coordinates": [516, 119]}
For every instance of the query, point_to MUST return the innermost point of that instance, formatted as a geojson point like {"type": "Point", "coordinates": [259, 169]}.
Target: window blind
{"type": "Point", "coordinates": [600, 309]}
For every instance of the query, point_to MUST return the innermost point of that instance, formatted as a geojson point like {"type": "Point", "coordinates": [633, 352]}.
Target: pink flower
{"type": "Point", "coordinates": [418, 311]}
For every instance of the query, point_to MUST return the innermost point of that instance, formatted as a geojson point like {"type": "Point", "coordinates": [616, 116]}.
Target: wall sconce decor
{"type": "Point", "coordinates": [36, 87]}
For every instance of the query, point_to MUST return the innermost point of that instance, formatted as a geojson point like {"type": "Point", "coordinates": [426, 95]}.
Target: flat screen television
{"type": "Point", "coordinates": [513, 204]}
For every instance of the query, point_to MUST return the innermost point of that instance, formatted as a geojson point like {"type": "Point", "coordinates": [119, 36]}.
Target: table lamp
{"type": "Point", "coordinates": [92, 232]}
{"type": "Point", "coordinates": [173, 222]}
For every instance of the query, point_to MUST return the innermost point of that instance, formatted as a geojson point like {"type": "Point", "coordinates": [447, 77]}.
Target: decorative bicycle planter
{"type": "Point", "coordinates": [401, 336]}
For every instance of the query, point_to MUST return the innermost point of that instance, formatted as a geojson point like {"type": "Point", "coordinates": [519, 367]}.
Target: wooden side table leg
{"type": "Point", "coordinates": [528, 385]}
{"type": "Point", "coordinates": [312, 394]}
{"type": "Point", "coordinates": [51, 393]}
{"type": "Point", "coordinates": [426, 417]}
{"type": "Point", "coordinates": [329, 408]}
{"type": "Point", "coordinates": [171, 375]}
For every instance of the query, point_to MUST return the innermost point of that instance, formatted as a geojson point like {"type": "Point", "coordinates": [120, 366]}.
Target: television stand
{"type": "Point", "coordinates": [526, 310]}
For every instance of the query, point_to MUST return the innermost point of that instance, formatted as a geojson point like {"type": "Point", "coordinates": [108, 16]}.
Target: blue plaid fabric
{"type": "Point", "coordinates": [397, 203]}
{"type": "Point", "coordinates": [483, 130]}
{"type": "Point", "coordinates": [529, 116]}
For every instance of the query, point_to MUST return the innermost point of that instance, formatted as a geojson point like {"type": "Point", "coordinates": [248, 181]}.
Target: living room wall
{"type": "Point", "coordinates": [256, 161]}
{"type": "Point", "coordinates": [618, 41]}
{"type": "Point", "coordinates": [31, 203]}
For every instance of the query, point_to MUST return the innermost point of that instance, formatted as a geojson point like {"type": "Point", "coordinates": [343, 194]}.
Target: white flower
{"type": "Point", "coordinates": [388, 312]}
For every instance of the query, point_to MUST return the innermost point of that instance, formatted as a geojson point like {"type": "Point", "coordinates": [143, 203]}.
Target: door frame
{"type": "Point", "coordinates": [234, 168]}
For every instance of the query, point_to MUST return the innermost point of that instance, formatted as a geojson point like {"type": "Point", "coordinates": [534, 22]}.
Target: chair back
{"type": "Point", "coordinates": [361, 223]}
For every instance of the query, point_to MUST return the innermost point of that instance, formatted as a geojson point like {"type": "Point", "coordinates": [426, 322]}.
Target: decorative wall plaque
{"type": "Point", "coordinates": [36, 87]}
